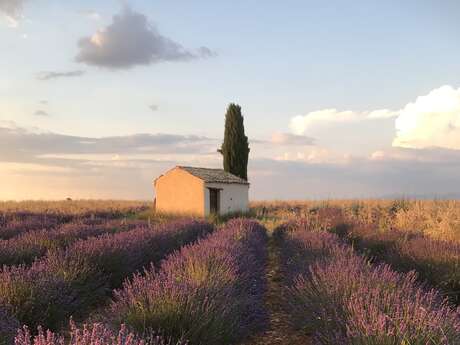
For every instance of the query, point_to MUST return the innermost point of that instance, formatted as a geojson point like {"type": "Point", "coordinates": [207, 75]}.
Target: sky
{"type": "Point", "coordinates": [341, 99]}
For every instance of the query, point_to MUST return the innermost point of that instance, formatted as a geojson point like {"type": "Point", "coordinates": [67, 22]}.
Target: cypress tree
{"type": "Point", "coordinates": [235, 148]}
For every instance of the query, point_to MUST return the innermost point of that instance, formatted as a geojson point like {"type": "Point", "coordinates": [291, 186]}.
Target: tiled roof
{"type": "Point", "coordinates": [214, 175]}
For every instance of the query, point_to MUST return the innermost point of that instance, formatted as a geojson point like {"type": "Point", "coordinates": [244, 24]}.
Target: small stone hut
{"type": "Point", "coordinates": [200, 191]}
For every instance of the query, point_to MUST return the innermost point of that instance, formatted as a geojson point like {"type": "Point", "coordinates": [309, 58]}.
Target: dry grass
{"type": "Point", "coordinates": [436, 218]}
{"type": "Point", "coordinates": [74, 207]}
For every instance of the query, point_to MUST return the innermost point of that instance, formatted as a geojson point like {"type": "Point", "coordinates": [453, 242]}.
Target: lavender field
{"type": "Point", "coordinates": [287, 273]}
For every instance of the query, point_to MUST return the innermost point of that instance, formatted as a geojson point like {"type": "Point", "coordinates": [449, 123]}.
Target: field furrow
{"type": "Point", "coordinates": [279, 329]}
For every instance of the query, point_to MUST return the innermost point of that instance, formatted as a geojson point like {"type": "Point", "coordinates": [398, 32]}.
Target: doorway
{"type": "Point", "coordinates": [214, 200]}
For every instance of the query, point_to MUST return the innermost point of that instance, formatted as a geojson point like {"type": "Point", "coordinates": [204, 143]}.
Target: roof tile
{"type": "Point", "coordinates": [213, 175]}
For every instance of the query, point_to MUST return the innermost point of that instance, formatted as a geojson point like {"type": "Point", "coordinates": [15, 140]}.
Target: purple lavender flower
{"type": "Point", "coordinates": [94, 334]}
{"type": "Point", "coordinates": [208, 293]}
{"type": "Point", "coordinates": [31, 245]}
{"type": "Point", "coordinates": [343, 299]}
{"type": "Point", "coordinates": [436, 261]}
{"type": "Point", "coordinates": [8, 327]}
{"type": "Point", "coordinates": [84, 274]}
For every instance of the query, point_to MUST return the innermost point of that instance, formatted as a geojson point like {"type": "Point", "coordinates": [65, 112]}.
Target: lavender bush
{"type": "Point", "coordinates": [75, 279]}
{"type": "Point", "coordinates": [8, 327]}
{"type": "Point", "coordinates": [342, 299]}
{"type": "Point", "coordinates": [436, 261]}
{"type": "Point", "coordinates": [16, 223]}
{"type": "Point", "coordinates": [109, 259]}
{"type": "Point", "coordinates": [35, 295]}
{"type": "Point", "coordinates": [95, 334]}
{"type": "Point", "coordinates": [209, 292]}
{"type": "Point", "coordinates": [16, 227]}
{"type": "Point", "coordinates": [29, 246]}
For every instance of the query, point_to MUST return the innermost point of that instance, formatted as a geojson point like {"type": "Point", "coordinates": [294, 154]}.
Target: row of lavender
{"type": "Point", "coordinates": [206, 293]}
{"type": "Point", "coordinates": [13, 224]}
{"type": "Point", "coordinates": [340, 298]}
{"type": "Point", "coordinates": [436, 261]}
{"type": "Point", "coordinates": [73, 280]}
{"type": "Point", "coordinates": [12, 227]}
{"type": "Point", "coordinates": [31, 245]}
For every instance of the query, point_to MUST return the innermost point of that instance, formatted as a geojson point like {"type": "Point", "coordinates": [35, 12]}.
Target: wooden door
{"type": "Point", "coordinates": [214, 201]}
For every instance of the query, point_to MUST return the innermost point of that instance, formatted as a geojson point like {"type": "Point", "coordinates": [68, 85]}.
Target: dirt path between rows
{"type": "Point", "coordinates": [279, 331]}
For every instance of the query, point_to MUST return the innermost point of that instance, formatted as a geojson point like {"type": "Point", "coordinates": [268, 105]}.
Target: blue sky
{"type": "Point", "coordinates": [357, 90]}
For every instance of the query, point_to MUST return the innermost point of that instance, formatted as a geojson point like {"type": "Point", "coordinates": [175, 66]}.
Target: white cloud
{"type": "Point", "coordinates": [431, 121]}
{"type": "Point", "coordinates": [315, 155]}
{"type": "Point", "coordinates": [131, 40]}
{"type": "Point", "coordinates": [381, 114]}
{"type": "Point", "coordinates": [291, 139]}
{"type": "Point", "coordinates": [301, 123]}
{"type": "Point", "coordinates": [11, 22]}
{"type": "Point", "coordinates": [91, 14]}
{"type": "Point", "coordinates": [6, 124]}
{"type": "Point", "coordinates": [12, 11]}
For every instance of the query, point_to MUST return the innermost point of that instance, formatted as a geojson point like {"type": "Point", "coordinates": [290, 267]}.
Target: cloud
{"type": "Point", "coordinates": [205, 52]}
{"type": "Point", "coordinates": [43, 102]}
{"type": "Point", "coordinates": [433, 155]}
{"type": "Point", "coordinates": [7, 124]}
{"type": "Point", "coordinates": [42, 164]}
{"type": "Point", "coordinates": [432, 120]}
{"type": "Point", "coordinates": [154, 107]}
{"type": "Point", "coordinates": [31, 144]}
{"type": "Point", "coordinates": [282, 146]}
{"type": "Point", "coordinates": [48, 75]}
{"type": "Point", "coordinates": [291, 139]}
{"type": "Point", "coordinates": [131, 40]}
{"type": "Point", "coordinates": [91, 14]}
{"type": "Point", "coordinates": [315, 155]}
{"type": "Point", "coordinates": [357, 178]}
{"type": "Point", "coordinates": [41, 113]}
{"type": "Point", "coordinates": [12, 22]}
{"type": "Point", "coordinates": [381, 114]}
{"type": "Point", "coordinates": [302, 123]}
{"type": "Point", "coordinates": [12, 10]}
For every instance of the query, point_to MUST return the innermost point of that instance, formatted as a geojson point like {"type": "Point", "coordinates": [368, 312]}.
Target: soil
{"type": "Point", "coordinates": [279, 330]}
